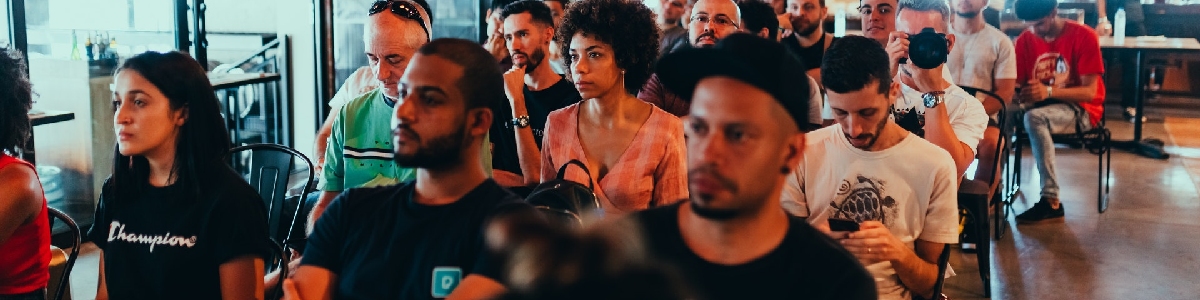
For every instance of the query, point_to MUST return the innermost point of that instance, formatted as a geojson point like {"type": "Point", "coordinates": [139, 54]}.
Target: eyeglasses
{"type": "Point", "coordinates": [403, 9]}
{"type": "Point", "coordinates": [721, 20]}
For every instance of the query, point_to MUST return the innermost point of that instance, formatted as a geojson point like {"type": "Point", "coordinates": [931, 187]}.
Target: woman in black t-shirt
{"type": "Point", "coordinates": [174, 221]}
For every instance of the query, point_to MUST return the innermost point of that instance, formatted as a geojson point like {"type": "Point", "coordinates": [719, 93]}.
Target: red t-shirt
{"type": "Point", "coordinates": [1076, 52]}
{"type": "Point", "coordinates": [25, 256]}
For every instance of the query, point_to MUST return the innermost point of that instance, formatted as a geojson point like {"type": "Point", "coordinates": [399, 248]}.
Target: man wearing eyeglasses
{"type": "Point", "coordinates": [709, 22]}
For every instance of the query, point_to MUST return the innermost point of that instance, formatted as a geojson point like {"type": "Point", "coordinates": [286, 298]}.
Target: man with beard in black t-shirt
{"type": "Point", "coordinates": [533, 91]}
{"type": "Point", "coordinates": [422, 239]}
{"type": "Point", "coordinates": [733, 240]}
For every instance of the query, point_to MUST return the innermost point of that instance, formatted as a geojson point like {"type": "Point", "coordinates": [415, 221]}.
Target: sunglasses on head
{"type": "Point", "coordinates": [403, 9]}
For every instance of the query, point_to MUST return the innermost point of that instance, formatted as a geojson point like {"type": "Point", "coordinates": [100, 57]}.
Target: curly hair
{"type": "Point", "coordinates": [16, 98]}
{"type": "Point", "coordinates": [628, 26]}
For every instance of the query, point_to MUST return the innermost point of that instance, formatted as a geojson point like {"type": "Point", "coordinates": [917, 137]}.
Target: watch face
{"type": "Point", "coordinates": [931, 100]}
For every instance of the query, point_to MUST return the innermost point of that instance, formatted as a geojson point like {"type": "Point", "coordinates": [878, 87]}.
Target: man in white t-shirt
{"type": "Point", "coordinates": [899, 188]}
{"type": "Point", "coordinates": [929, 105]}
{"type": "Point", "coordinates": [983, 56]}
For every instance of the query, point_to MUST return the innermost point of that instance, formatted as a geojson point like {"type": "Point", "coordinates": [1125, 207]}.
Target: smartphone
{"type": "Point", "coordinates": [842, 225]}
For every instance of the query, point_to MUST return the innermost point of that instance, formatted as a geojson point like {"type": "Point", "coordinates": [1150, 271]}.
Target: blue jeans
{"type": "Point", "coordinates": [1041, 123]}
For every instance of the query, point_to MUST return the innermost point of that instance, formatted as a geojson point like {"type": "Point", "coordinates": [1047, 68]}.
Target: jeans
{"type": "Point", "coordinates": [1041, 123]}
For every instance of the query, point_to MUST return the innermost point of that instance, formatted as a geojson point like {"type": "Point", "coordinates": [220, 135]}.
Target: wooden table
{"type": "Point", "coordinates": [1139, 47]}
{"type": "Point", "coordinates": [43, 118]}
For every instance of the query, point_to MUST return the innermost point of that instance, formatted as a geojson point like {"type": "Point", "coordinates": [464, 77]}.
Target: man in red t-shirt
{"type": "Point", "coordinates": [1059, 68]}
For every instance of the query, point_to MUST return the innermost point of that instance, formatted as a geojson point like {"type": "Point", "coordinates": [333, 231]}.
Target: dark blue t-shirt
{"type": "Point", "coordinates": [806, 265]}
{"type": "Point", "coordinates": [383, 245]}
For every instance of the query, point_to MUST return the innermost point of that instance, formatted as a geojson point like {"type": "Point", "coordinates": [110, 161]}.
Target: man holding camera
{"type": "Point", "coordinates": [929, 105]}
{"type": "Point", "coordinates": [1059, 67]}
{"type": "Point", "coordinates": [893, 192]}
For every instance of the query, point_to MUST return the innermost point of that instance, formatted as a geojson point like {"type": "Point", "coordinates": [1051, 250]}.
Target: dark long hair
{"type": "Point", "coordinates": [203, 139]}
{"type": "Point", "coordinates": [16, 98]}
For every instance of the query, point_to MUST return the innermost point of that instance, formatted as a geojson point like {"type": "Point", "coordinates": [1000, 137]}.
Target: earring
{"type": "Point", "coordinates": [785, 170]}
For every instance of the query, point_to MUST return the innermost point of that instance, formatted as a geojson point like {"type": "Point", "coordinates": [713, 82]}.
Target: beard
{"type": "Point", "coordinates": [805, 29]}
{"type": "Point", "coordinates": [702, 204]}
{"type": "Point", "coordinates": [874, 136]}
{"type": "Point", "coordinates": [967, 14]}
{"type": "Point", "coordinates": [534, 60]}
{"type": "Point", "coordinates": [438, 153]}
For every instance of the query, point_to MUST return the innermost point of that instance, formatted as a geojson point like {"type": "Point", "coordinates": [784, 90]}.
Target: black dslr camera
{"type": "Point", "coordinates": [927, 49]}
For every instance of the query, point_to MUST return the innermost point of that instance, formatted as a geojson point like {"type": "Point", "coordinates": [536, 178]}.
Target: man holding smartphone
{"type": "Point", "coordinates": [898, 189]}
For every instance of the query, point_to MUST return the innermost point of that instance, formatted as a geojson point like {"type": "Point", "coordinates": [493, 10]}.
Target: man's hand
{"type": "Point", "coordinates": [897, 48]}
{"type": "Point", "coordinates": [874, 243]}
{"type": "Point", "coordinates": [495, 45]}
{"type": "Point", "coordinates": [1104, 28]}
{"type": "Point", "coordinates": [1034, 91]}
{"type": "Point", "coordinates": [514, 85]}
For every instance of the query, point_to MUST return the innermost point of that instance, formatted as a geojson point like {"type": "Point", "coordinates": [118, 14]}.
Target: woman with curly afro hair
{"type": "Point", "coordinates": [634, 151]}
{"type": "Point", "coordinates": [24, 232]}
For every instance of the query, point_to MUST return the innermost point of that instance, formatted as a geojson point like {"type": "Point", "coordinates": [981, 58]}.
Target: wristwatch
{"type": "Point", "coordinates": [521, 122]}
{"type": "Point", "coordinates": [933, 99]}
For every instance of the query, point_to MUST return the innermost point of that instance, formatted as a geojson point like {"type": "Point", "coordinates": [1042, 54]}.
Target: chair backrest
{"type": "Point", "coordinates": [64, 282]}
{"type": "Point", "coordinates": [1002, 122]}
{"type": "Point", "coordinates": [270, 166]}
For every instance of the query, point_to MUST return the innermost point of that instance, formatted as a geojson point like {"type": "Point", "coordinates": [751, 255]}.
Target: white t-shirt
{"type": "Point", "coordinates": [360, 82]}
{"type": "Point", "coordinates": [911, 188]}
{"type": "Point", "coordinates": [979, 58]}
{"type": "Point", "coordinates": [967, 117]}
{"type": "Point", "coordinates": [815, 101]}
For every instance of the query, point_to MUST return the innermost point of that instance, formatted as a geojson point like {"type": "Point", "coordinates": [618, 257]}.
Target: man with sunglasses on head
{"type": "Point", "coordinates": [358, 151]}
{"type": "Point", "coordinates": [931, 106]}
{"type": "Point", "coordinates": [709, 22]}
{"type": "Point", "coordinates": [533, 89]}
{"type": "Point", "coordinates": [668, 14]}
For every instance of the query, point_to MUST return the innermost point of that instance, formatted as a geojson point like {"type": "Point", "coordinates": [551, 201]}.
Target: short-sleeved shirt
{"type": "Point", "coordinates": [382, 244]}
{"type": "Point", "coordinates": [651, 172]}
{"type": "Point", "coordinates": [160, 244]}
{"type": "Point", "coordinates": [910, 187]}
{"type": "Point", "coordinates": [538, 104]}
{"type": "Point", "coordinates": [807, 264]}
{"type": "Point", "coordinates": [1063, 62]}
{"type": "Point", "coordinates": [359, 151]}
{"type": "Point", "coordinates": [980, 58]}
{"type": "Point", "coordinates": [968, 119]}
{"type": "Point", "coordinates": [360, 82]}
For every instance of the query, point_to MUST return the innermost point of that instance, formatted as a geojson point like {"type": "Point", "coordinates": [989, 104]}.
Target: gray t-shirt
{"type": "Point", "coordinates": [979, 58]}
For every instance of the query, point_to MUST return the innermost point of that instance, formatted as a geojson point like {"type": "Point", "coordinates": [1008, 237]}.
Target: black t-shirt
{"type": "Point", "coordinates": [382, 245]}
{"type": "Point", "coordinates": [160, 245]}
{"type": "Point", "coordinates": [810, 56]}
{"type": "Point", "coordinates": [539, 104]}
{"type": "Point", "coordinates": [806, 265]}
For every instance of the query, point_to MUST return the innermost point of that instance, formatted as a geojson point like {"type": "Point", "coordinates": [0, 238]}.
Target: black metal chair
{"type": "Point", "coordinates": [64, 282]}
{"type": "Point", "coordinates": [269, 167]}
{"type": "Point", "coordinates": [999, 161]}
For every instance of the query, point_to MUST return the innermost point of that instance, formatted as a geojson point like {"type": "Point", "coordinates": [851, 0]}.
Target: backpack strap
{"type": "Point", "coordinates": [563, 171]}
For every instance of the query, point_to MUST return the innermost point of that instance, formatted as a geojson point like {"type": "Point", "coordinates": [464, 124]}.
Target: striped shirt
{"type": "Point", "coordinates": [651, 172]}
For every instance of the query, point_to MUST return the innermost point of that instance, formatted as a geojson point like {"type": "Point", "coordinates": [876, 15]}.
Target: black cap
{"type": "Point", "coordinates": [762, 63]}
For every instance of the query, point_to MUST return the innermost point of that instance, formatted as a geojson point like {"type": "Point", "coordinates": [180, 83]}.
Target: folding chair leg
{"type": "Point", "coordinates": [983, 252]}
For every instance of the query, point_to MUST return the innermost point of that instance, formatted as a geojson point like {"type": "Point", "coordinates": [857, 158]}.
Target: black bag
{"type": "Point", "coordinates": [564, 201]}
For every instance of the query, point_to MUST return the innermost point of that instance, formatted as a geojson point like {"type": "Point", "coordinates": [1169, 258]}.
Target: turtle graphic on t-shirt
{"type": "Point", "coordinates": [863, 200]}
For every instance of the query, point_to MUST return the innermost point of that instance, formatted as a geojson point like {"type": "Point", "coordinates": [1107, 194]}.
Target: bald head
{"type": "Point", "coordinates": [389, 42]}
{"type": "Point", "coordinates": [715, 12]}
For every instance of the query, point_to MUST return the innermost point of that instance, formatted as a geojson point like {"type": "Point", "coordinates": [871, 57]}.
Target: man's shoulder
{"type": "Point", "coordinates": [821, 136]}
{"type": "Point", "coordinates": [922, 152]}
{"type": "Point", "coordinates": [656, 219]}
{"type": "Point", "coordinates": [372, 198]}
